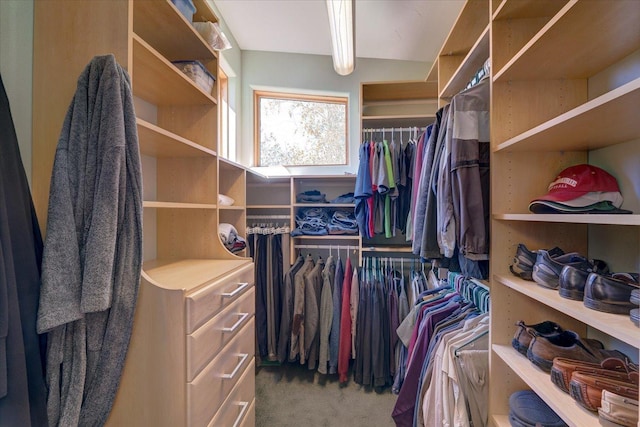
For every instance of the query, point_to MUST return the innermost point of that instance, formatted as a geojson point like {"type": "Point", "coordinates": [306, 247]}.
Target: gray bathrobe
{"type": "Point", "coordinates": [93, 248]}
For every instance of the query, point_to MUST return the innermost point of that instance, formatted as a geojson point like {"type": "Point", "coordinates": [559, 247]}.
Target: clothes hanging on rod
{"type": "Point", "coordinates": [383, 186]}
{"type": "Point", "coordinates": [446, 357]}
{"type": "Point", "coordinates": [269, 249]}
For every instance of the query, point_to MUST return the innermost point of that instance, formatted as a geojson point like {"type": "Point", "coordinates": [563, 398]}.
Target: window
{"type": "Point", "coordinates": [300, 130]}
{"type": "Point", "coordinates": [227, 148]}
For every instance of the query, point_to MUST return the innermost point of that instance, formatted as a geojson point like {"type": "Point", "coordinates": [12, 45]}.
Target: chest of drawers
{"type": "Point", "coordinates": [191, 357]}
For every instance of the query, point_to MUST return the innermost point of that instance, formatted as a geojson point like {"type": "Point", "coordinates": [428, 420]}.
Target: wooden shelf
{"type": "Point", "coordinates": [615, 219]}
{"type": "Point", "coordinates": [204, 12]}
{"type": "Point", "coordinates": [617, 325]}
{"type": "Point", "coordinates": [398, 91]}
{"type": "Point", "coordinates": [158, 81]}
{"type": "Point", "coordinates": [573, 130]}
{"type": "Point", "coordinates": [268, 207]}
{"type": "Point", "coordinates": [471, 22]}
{"type": "Point", "coordinates": [158, 142]}
{"type": "Point", "coordinates": [474, 60]}
{"type": "Point", "coordinates": [550, 54]}
{"type": "Point", "coordinates": [175, 205]}
{"type": "Point", "coordinates": [231, 208]}
{"type": "Point", "coordinates": [526, 9]}
{"type": "Point", "coordinates": [501, 421]}
{"type": "Point", "coordinates": [188, 274]}
{"type": "Point", "coordinates": [540, 382]}
{"type": "Point", "coordinates": [182, 42]}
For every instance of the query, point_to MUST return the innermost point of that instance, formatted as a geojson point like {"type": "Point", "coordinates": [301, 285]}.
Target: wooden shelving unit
{"type": "Point", "coordinates": [191, 285]}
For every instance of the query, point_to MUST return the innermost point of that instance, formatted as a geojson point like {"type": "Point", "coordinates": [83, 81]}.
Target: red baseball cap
{"type": "Point", "coordinates": [583, 180]}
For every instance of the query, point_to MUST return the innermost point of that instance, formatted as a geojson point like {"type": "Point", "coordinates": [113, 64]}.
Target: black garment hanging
{"type": "Point", "coordinates": [22, 385]}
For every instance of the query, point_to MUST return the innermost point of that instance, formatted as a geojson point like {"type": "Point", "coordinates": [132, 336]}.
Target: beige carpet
{"type": "Point", "coordinates": [293, 396]}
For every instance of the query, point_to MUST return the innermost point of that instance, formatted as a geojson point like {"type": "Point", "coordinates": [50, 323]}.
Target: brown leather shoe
{"type": "Point", "coordinates": [613, 368]}
{"type": "Point", "coordinates": [568, 345]}
{"type": "Point", "coordinates": [619, 410]}
{"type": "Point", "coordinates": [586, 389]}
{"type": "Point", "coordinates": [610, 294]}
{"type": "Point", "coordinates": [524, 333]}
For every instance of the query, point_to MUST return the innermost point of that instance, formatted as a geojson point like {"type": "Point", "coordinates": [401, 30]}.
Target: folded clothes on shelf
{"type": "Point", "coordinates": [323, 221]}
{"type": "Point", "coordinates": [311, 196]}
{"type": "Point", "coordinates": [343, 199]}
{"type": "Point", "coordinates": [230, 238]}
{"type": "Point", "coordinates": [343, 222]}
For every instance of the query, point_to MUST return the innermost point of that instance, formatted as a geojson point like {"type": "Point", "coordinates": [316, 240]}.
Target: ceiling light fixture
{"type": "Point", "coordinates": [342, 24]}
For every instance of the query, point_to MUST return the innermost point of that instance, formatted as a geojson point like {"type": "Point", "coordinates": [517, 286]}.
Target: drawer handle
{"type": "Point", "coordinates": [231, 329]}
{"type": "Point", "coordinates": [243, 357]}
{"type": "Point", "coordinates": [240, 288]}
{"type": "Point", "coordinates": [244, 406]}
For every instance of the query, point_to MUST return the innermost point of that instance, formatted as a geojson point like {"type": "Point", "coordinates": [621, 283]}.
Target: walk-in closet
{"type": "Point", "coordinates": [467, 254]}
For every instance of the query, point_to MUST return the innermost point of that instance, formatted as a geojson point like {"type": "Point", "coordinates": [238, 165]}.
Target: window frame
{"type": "Point", "coordinates": [297, 96]}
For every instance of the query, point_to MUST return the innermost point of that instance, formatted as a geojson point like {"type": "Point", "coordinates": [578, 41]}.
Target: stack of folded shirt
{"type": "Point", "coordinates": [311, 196]}
{"type": "Point", "coordinates": [230, 239]}
{"type": "Point", "coordinates": [311, 221]}
{"type": "Point", "coordinates": [344, 199]}
{"type": "Point", "coordinates": [343, 222]}
{"type": "Point", "coordinates": [581, 189]}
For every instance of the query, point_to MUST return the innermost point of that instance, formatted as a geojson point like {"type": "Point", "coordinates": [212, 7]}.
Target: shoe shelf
{"type": "Point", "coordinates": [591, 49]}
{"type": "Point", "coordinates": [616, 325]}
{"type": "Point", "coordinates": [614, 219]}
{"type": "Point", "coordinates": [540, 382]}
{"type": "Point", "coordinates": [574, 129]}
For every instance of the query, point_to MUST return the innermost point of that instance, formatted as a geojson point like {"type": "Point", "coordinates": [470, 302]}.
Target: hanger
{"type": "Point", "coordinates": [472, 340]}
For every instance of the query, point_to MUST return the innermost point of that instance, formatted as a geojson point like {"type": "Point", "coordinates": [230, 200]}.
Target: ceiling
{"type": "Point", "coordinates": [411, 30]}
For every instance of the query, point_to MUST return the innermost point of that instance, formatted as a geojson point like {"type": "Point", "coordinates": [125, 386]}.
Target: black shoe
{"type": "Point", "coordinates": [546, 270]}
{"type": "Point", "coordinates": [524, 260]}
{"type": "Point", "coordinates": [573, 278]}
{"type": "Point", "coordinates": [611, 294]}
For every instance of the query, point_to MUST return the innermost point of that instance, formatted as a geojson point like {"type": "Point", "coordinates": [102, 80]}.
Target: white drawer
{"type": "Point", "coordinates": [207, 341]}
{"type": "Point", "coordinates": [234, 412]}
{"type": "Point", "coordinates": [208, 390]}
{"type": "Point", "coordinates": [205, 303]}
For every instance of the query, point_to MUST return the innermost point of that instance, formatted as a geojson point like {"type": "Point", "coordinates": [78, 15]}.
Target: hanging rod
{"type": "Point", "coordinates": [409, 260]}
{"type": "Point", "coordinates": [337, 247]}
{"type": "Point", "coordinates": [392, 129]}
{"type": "Point", "coordinates": [268, 217]}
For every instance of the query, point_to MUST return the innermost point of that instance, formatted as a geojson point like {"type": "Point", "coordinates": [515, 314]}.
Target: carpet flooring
{"type": "Point", "coordinates": [293, 396]}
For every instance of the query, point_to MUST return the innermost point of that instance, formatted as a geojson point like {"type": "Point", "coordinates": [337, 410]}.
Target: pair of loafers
{"type": "Point", "coordinates": [611, 293]}
{"type": "Point", "coordinates": [525, 259]}
{"type": "Point", "coordinates": [548, 269]}
{"type": "Point", "coordinates": [586, 382]}
{"type": "Point", "coordinates": [541, 343]}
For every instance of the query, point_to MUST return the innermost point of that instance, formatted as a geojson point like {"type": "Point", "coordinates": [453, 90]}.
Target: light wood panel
{"type": "Point", "coordinates": [616, 325]}
{"type": "Point", "coordinates": [471, 22]}
{"type": "Point", "coordinates": [545, 56]}
{"type": "Point", "coordinates": [612, 219]}
{"type": "Point", "coordinates": [59, 57]}
{"type": "Point", "coordinates": [523, 9]}
{"type": "Point", "coordinates": [158, 142]}
{"type": "Point", "coordinates": [540, 382]}
{"type": "Point", "coordinates": [187, 180]}
{"type": "Point", "coordinates": [155, 361]}
{"type": "Point", "coordinates": [615, 110]}
{"type": "Point", "coordinates": [237, 408]}
{"type": "Point", "coordinates": [161, 25]}
{"type": "Point", "coordinates": [159, 82]}
{"type": "Point", "coordinates": [171, 205]}
{"type": "Point", "coordinates": [399, 91]}
{"type": "Point", "coordinates": [471, 63]}
{"type": "Point", "coordinates": [189, 274]}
